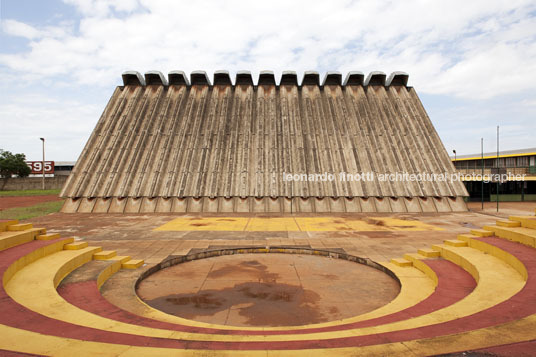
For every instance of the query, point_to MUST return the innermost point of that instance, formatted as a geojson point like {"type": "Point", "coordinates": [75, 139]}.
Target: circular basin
{"type": "Point", "coordinates": [268, 289]}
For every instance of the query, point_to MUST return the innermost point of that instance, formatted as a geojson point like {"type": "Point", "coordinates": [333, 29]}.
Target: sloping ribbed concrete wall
{"type": "Point", "coordinates": [236, 141]}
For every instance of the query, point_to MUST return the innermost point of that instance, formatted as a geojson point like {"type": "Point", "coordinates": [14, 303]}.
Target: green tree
{"type": "Point", "coordinates": [13, 164]}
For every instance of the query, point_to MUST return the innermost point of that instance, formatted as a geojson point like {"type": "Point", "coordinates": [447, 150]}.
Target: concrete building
{"type": "Point", "coordinates": [194, 145]}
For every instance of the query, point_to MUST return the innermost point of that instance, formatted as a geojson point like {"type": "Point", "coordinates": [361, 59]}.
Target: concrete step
{"type": "Point", "coordinates": [12, 239]}
{"type": "Point", "coordinates": [19, 227]}
{"type": "Point", "coordinates": [105, 254]}
{"type": "Point", "coordinates": [48, 236]}
{"type": "Point", "coordinates": [481, 232]}
{"type": "Point", "coordinates": [522, 235]}
{"type": "Point", "coordinates": [507, 223]}
{"type": "Point", "coordinates": [4, 223]}
{"type": "Point", "coordinates": [37, 231]}
{"type": "Point", "coordinates": [122, 258]}
{"type": "Point", "coordinates": [132, 264]}
{"type": "Point", "coordinates": [75, 246]}
{"type": "Point", "coordinates": [429, 253]}
{"type": "Point", "coordinates": [525, 221]}
{"type": "Point", "coordinates": [466, 237]}
{"type": "Point", "coordinates": [491, 274]}
{"type": "Point", "coordinates": [401, 262]}
{"type": "Point", "coordinates": [455, 243]}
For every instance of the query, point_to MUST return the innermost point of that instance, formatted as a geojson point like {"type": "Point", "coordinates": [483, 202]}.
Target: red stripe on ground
{"type": "Point", "coordinates": [6, 353]}
{"type": "Point", "coordinates": [13, 314]}
{"type": "Point", "coordinates": [454, 284]}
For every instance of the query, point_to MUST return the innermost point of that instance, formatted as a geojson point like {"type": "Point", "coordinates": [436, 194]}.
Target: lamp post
{"type": "Point", "coordinates": [43, 164]}
{"type": "Point", "coordinates": [498, 170]}
{"type": "Point", "coordinates": [454, 151]}
{"type": "Point", "coordinates": [482, 177]}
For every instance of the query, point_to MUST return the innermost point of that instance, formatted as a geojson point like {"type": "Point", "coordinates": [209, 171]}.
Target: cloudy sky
{"type": "Point", "coordinates": [473, 63]}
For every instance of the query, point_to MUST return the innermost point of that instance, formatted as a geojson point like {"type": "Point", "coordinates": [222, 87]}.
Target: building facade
{"type": "Point", "coordinates": [512, 163]}
{"type": "Point", "coordinates": [173, 144]}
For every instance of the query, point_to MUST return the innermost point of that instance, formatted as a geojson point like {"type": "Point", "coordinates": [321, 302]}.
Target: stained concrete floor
{"type": "Point", "coordinates": [268, 289]}
{"type": "Point", "coordinates": [137, 234]}
{"type": "Point", "coordinates": [141, 236]}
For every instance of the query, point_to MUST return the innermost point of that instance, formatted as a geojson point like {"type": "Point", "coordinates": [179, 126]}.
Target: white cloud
{"type": "Point", "coordinates": [20, 29]}
{"type": "Point", "coordinates": [475, 49]}
{"type": "Point", "coordinates": [64, 124]}
{"type": "Point", "coordinates": [472, 50]}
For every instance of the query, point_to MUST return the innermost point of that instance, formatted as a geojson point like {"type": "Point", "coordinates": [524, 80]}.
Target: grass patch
{"type": "Point", "coordinates": [40, 209]}
{"type": "Point", "coordinates": [29, 193]}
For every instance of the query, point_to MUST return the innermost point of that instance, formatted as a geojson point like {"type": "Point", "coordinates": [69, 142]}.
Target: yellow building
{"type": "Point", "coordinates": [515, 170]}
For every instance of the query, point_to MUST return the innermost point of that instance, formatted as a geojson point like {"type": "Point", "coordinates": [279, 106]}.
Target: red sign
{"type": "Point", "coordinates": [37, 167]}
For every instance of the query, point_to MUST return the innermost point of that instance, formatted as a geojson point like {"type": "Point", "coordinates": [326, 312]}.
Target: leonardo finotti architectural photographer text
{"type": "Point", "coordinates": [399, 177]}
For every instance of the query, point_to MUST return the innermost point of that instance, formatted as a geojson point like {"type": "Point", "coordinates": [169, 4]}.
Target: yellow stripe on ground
{"type": "Point", "coordinates": [522, 330]}
{"type": "Point", "coordinates": [497, 282]}
{"type": "Point", "coordinates": [34, 287]}
{"type": "Point", "coordinates": [260, 224]}
{"type": "Point", "coordinates": [291, 224]}
{"type": "Point", "coordinates": [205, 224]}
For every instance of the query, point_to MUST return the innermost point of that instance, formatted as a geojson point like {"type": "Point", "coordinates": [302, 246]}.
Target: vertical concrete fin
{"type": "Point", "coordinates": [289, 78]}
{"type": "Point", "coordinates": [266, 78]}
{"type": "Point", "coordinates": [397, 78]}
{"type": "Point", "coordinates": [133, 78]}
{"type": "Point", "coordinates": [375, 78]}
{"type": "Point", "coordinates": [244, 78]}
{"type": "Point", "coordinates": [354, 78]}
{"type": "Point", "coordinates": [311, 78]}
{"type": "Point", "coordinates": [199, 78]}
{"type": "Point", "coordinates": [178, 78]}
{"type": "Point", "coordinates": [222, 77]}
{"type": "Point", "coordinates": [155, 77]}
{"type": "Point", "coordinates": [332, 78]}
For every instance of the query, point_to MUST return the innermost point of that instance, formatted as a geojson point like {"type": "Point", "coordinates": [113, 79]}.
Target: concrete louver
{"type": "Point", "coordinates": [222, 78]}
{"type": "Point", "coordinates": [178, 78]}
{"type": "Point", "coordinates": [155, 77]}
{"type": "Point", "coordinates": [311, 78]}
{"type": "Point", "coordinates": [375, 78]}
{"type": "Point", "coordinates": [244, 78]}
{"type": "Point", "coordinates": [133, 78]}
{"type": "Point", "coordinates": [266, 78]}
{"type": "Point", "coordinates": [332, 79]}
{"type": "Point", "coordinates": [397, 79]}
{"type": "Point", "coordinates": [193, 147]}
{"type": "Point", "coordinates": [354, 78]}
{"type": "Point", "coordinates": [199, 78]}
{"type": "Point", "coordinates": [289, 78]}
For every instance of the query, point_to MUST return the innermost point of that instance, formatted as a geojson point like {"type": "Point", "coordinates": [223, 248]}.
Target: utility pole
{"type": "Point", "coordinates": [498, 171]}
{"type": "Point", "coordinates": [43, 164]}
{"type": "Point", "coordinates": [482, 177]}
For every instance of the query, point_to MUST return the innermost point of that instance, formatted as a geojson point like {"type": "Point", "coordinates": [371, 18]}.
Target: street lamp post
{"type": "Point", "coordinates": [482, 177]}
{"type": "Point", "coordinates": [43, 164]}
{"type": "Point", "coordinates": [498, 170]}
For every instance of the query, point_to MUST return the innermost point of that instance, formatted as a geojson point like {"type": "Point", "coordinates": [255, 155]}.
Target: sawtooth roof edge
{"type": "Point", "coordinates": [266, 77]}
{"type": "Point", "coordinates": [155, 77]}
